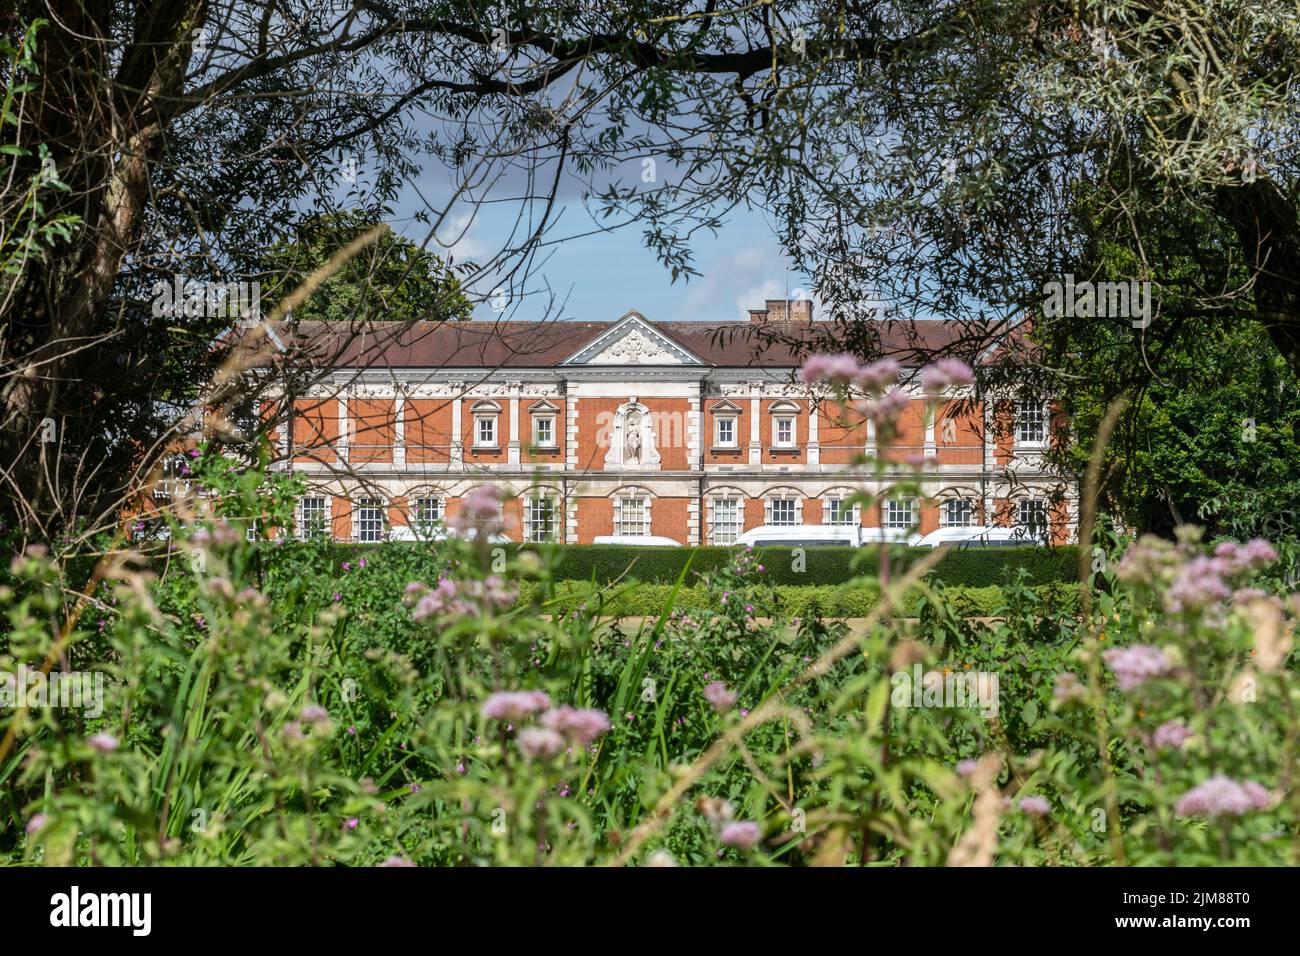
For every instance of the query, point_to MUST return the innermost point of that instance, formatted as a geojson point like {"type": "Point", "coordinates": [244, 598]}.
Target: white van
{"type": "Point", "coordinates": [400, 532]}
{"type": "Point", "coordinates": [637, 540]}
{"type": "Point", "coordinates": [824, 535]}
{"type": "Point", "coordinates": [978, 536]}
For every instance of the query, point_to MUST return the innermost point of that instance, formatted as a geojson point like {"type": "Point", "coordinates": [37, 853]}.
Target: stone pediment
{"type": "Point", "coordinates": [632, 341]}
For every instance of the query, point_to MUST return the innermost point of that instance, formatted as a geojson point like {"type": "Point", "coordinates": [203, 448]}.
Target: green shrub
{"type": "Point", "coordinates": [784, 601]}
{"type": "Point", "coordinates": [608, 563]}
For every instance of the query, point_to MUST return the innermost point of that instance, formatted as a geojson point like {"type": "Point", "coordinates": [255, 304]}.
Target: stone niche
{"type": "Point", "coordinates": [633, 444]}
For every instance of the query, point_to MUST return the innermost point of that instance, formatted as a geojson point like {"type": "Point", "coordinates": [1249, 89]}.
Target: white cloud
{"type": "Point", "coordinates": [746, 277]}
{"type": "Point", "coordinates": [455, 239]}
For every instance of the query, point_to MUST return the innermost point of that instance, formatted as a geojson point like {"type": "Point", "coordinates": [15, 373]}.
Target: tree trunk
{"type": "Point", "coordinates": [1268, 228]}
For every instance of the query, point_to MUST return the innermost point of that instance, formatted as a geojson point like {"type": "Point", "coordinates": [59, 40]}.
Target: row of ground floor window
{"type": "Point", "coordinates": [542, 516]}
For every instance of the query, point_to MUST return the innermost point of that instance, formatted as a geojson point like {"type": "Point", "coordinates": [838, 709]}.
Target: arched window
{"type": "Point", "coordinates": [839, 508]}
{"type": "Point", "coordinates": [726, 515]}
{"type": "Point", "coordinates": [541, 514]}
{"type": "Point", "coordinates": [783, 506]}
{"type": "Point", "coordinates": [632, 511]}
{"type": "Point", "coordinates": [368, 519]}
{"type": "Point", "coordinates": [313, 516]}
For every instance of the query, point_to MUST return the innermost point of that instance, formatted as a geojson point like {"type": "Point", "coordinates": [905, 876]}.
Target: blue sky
{"type": "Point", "coordinates": [598, 276]}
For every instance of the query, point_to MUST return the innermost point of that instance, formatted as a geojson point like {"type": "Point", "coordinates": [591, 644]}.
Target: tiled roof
{"type": "Point", "coordinates": [531, 345]}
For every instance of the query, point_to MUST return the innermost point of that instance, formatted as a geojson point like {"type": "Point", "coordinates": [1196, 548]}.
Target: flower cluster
{"type": "Point", "coordinates": [842, 370]}
{"type": "Point", "coordinates": [461, 598]}
{"type": "Point", "coordinates": [945, 374]}
{"type": "Point", "coordinates": [1171, 735]}
{"type": "Point", "coordinates": [720, 696]}
{"type": "Point", "coordinates": [221, 533]}
{"type": "Point", "coordinates": [1222, 796]}
{"type": "Point", "coordinates": [883, 411]}
{"type": "Point", "coordinates": [1191, 582]}
{"type": "Point", "coordinates": [561, 727]}
{"type": "Point", "coordinates": [515, 705]}
{"type": "Point", "coordinates": [884, 405]}
{"type": "Point", "coordinates": [480, 511]}
{"type": "Point", "coordinates": [580, 727]}
{"type": "Point", "coordinates": [742, 834]}
{"type": "Point", "coordinates": [1066, 686]}
{"type": "Point", "coordinates": [1136, 664]}
{"type": "Point", "coordinates": [1036, 806]}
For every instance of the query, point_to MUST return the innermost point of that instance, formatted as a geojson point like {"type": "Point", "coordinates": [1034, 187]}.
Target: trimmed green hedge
{"type": "Point", "coordinates": [820, 565]}
{"type": "Point", "coordinates": [830, 600]}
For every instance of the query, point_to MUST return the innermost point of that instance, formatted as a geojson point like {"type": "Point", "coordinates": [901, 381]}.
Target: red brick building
{"type": "Point", "coordinates": [688, 430]}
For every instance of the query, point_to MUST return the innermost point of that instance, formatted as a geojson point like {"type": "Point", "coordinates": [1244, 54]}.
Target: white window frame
{"type": "Point", "coordinates": [417, 517]}
{"type": "Point", "coordinates": [531, 504]}
{"type": "Point", "coordinates": [729, 420]}
{"type": "Point", "coordinates": [945, 515]}
{"type": "Point", "coordinates": [725, 533]}
{"type": "Point", "coordinates": [359, 528]}
{"type": "Point", "coordinates": [301, 520]}
{"type": "Point", "coordinates": [1036, 530]}
{"type": "Point", "coordinates": [729, 412]}
{"type": "Point", "coordinates": [852, 515]}
{"type": "Point", "coordinates": [549, 421]}
{"type": "Point", "coordinates": [489, 414]}
{"type": "Point", "coordinates": [787, 503]}
{"type": "Point", "coordinates": [1031, 419]}
{"type": "Point", "coordinates": [900, 513]}
{"type": "Point", "coordinates": [785, 413]}
{"type": "Point", "coordinates": [620, 520]}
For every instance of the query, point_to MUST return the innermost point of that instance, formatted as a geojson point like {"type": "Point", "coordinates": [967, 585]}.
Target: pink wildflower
{"type": "Point", "coordinates": [1221, 796]}
{"type": "Point", "coordinates": [719, 696]}
{"type": "Point", "coordinates": [837, 369]}
{"type": "Point", "coordinates": [539, 743]}
{"type": "Point", "coordinates": [945, 373]}
{"type": "Point", "coordinates": [314, 714]}
{"type": "Point", "coordinates": [1136, 664]}
{"type": "Point", "coordinates": [878, 375]}
{"type": "Point", "coordinates": [884, 411]}
{"type": "Point", "coordinates": [1172, 734]}
{"type": "Point", "coordinates": [1067, 687]}
{"type": "Point", "coordinates": [580, 727]}
{"type": "Point", "coordinates": [104, 743]}
{"type": "Point", "coordinates": [742, 834]}
{"type": "Point", "coordinates": [480, 511]}
{"type": "Point", "coordinates": [1036, 806]}
{"type": "Point", "coordinates": [514, 705]}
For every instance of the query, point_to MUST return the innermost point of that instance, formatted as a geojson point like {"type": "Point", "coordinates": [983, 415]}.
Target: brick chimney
{"type": "Point", "coordinates": [783, 310]}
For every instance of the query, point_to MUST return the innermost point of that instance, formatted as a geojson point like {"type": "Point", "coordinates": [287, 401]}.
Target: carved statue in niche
{"type": "Point", "coordinates": [631, 438]}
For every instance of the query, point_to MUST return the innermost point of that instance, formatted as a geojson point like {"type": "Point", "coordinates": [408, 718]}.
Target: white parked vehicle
{"type": "Point", "coordinates": [889, 536]}
{"type": "Point", "coordinates": [814, 535]}
{"type": "Point", "coordinates": [637, 540]}
{"type": "Point", "coordinates": [400, 532]}
{"type": "Point", "coordinates": [978, 536]}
